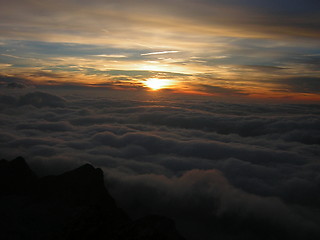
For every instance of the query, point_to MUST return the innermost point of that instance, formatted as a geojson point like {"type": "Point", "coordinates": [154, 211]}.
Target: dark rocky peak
{"type": "Point", "coordinates": [73, 205]}
{"type": "Point", "coordinates": [84, 185]}
{"type": "Point", "coordinates": [18, 165]}
{"type": "Point", "coordinates": [153, 227]}
{"type": "Point", "coordinates": [86, 173]}
{"type": "Point", "coordinates": [15, 176]}
{"type": "Point", "coordinates": [21, 165]}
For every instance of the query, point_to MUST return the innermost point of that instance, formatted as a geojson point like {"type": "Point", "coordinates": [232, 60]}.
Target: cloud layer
{"type": "Point", "coordinates": [222, 168]}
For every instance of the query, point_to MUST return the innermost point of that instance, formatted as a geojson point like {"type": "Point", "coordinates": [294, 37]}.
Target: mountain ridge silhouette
{"type": "Point", "coordinates": [73, 205]}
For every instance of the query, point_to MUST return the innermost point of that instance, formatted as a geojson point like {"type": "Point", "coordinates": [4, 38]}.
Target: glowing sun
{"type": "Point", "coordinates": [156, 83]}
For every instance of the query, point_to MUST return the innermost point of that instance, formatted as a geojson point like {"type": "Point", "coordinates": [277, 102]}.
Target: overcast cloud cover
{"type": "Point", "coordinates": [217, 168]}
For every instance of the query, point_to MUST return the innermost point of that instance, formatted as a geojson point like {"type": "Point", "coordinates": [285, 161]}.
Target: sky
{"type": "Point", "coordinates": [204, 111]}
{"type": "Point", "coordinates": [230, 49]}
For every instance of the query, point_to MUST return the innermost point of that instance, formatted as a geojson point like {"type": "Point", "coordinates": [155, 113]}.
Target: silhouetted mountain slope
{"type": "Point", "coordinates": [150, 227]}
{"type": "Point", "coordinates": [74, 205]}
{"type": "Point", "coordinates": [15, 177]}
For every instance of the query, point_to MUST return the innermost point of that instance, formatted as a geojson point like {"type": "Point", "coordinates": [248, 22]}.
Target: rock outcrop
{"type": "Point", "coordinates": [74, 205]}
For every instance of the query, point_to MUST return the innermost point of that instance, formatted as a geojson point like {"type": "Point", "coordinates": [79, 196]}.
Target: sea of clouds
{"type": "Point", "coordinates": [228, 170]}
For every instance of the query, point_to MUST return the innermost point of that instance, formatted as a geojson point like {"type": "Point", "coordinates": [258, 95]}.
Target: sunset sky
{"type": "Point", "coordinates": [204, 111]}
{"type": "Point", "coordinates": [233, 49]}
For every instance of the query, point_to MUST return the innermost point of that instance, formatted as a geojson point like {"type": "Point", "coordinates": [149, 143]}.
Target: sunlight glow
{"type": "Point", "coordinates": [156, 83]}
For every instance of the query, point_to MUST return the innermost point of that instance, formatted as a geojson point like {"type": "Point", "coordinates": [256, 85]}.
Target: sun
{"type": "Point", "coordinates": [157, 83]}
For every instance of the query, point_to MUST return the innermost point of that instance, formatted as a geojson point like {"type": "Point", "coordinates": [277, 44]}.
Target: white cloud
{"type": "Point", "coordinates": [157, 53]}
{"type": "Point", "coordinates": [110, 56]}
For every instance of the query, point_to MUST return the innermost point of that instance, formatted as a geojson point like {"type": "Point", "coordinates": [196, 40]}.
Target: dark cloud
{"type": "Point", "coordinates": [38, 74]}
{"type": "Point", "coordinates": [262, 68]}
{"type": "Point", "coordinates": [207, 197]}
{"type": "Point", "coordinates": [47, 127]}
{"type": "Point", "coordinates": [266, 18]}
{"type": "Point", "coordinates": [8, 100]}
{"type": "Point", "coordinates": [35, 99]}
{"type": "Point", "coordinates": [305, 84]}
{"type": "Point", "coordinates": [311, 61]}
{"type": "Point", "coordinates": [15, 85]}
{"type": "Point", "coordinates": [219, 90]}
{"type": "Point", "coordinates": [41, 99]}
{"type": "Point", "coordinates": [219, 169]}
{"type": "Point", "coordinates": [14, 82]}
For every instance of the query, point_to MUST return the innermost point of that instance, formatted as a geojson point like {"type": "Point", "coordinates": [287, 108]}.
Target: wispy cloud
{"type": "Point", "coordinates": [157, 53]}
{"type": "Point", "coordinates": [5, 65]}
{"type": "Point", "coordinates": [12, 56]}
{"type": "Point", "coordinates": [246, 43]}
{"type": "Point", "coordinates": [110, 56]}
